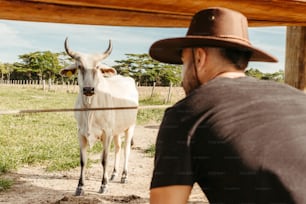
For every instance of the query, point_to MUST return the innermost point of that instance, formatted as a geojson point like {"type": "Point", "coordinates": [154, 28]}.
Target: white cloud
{"type": "Point", "coordinates": [10, 37]}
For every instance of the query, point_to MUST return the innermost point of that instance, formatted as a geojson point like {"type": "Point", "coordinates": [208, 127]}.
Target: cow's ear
{"type": "Point", "coordinates": [108, 71]}
{"type": "Point", "coordinates": [68, 71]}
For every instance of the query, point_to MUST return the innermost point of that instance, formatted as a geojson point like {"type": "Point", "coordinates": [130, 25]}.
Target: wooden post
{"type": "Point", "coordinates": [152, 92]}
{"type": "Point", "coordinates": [295, 67]}
{"type": "Point", "coordinates": [44, 85]}
{"type": "Point", "coordinates": [68, 83]}
{"type": "Point", "coordinates": [49, 85]}
{"type": "Point", "coordinates": [169, 93]}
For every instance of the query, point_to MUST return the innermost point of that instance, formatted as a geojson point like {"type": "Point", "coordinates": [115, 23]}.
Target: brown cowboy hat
{"type": "Point", "coordinates": [214, 27]}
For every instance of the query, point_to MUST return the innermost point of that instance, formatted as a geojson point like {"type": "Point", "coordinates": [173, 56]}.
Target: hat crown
{"type": "Point", "coordinates": [220, 23]}
{"type": "Point", "coordinates": [211, 27]}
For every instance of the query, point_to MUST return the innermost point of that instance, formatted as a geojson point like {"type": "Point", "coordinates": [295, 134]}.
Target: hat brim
{"type": "Point", "coordinates": [169, 50]}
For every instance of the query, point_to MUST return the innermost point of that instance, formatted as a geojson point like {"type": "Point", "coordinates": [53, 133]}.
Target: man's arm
{"type": "Point", "coordinates": [176, 194]}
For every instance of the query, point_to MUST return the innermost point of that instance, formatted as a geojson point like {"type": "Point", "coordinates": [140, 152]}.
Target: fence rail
{"type": "Point", "coordinates": [13, 112]}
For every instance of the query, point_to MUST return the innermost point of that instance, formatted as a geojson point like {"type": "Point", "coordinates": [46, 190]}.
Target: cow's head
{"type": "Point", "coordinates": [90, 70]}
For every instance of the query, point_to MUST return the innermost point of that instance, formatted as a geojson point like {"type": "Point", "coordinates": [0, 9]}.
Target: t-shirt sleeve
{"type": "Point", "coordinates": [172, 165]}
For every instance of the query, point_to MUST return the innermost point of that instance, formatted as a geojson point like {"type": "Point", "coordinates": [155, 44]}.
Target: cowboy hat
{"type": "Point", "coordinates": [214, 27]}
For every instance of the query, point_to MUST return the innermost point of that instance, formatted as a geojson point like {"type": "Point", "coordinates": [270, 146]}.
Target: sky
{"type": "Point", "coordinates": [21, 37]}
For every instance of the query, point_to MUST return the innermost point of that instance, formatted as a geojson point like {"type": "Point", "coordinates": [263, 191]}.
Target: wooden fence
{"type": "Point", "coordinates": [169, 94]}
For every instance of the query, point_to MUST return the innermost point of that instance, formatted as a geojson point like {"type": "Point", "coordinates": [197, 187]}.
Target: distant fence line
{"type": "Point", "coordinates": [167, 94]}
{"type": "Point", "coordinates": [46, 85]}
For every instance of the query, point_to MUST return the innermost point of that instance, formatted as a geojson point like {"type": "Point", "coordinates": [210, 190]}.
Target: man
{"type": "Point", "coordinates": [241, 139]}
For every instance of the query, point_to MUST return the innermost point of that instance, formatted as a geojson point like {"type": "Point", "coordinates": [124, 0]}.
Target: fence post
{"type": "Point", "coordinates": [49, 85]}
{"type": "Point", "coordinates": [44, 84]}
{"type": "Point", "coordinates": [68, 85]}
{"type": "Point", "coordinates": [169, 93]}
{"type": "Point", "coordinates": [152, 92]}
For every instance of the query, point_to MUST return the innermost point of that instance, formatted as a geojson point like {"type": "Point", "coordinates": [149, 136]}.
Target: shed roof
{"type": "Point", "coordinates": [150, 13]}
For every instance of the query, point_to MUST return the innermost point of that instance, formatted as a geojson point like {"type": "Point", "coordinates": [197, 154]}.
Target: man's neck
{"type": "Point", "coordinates": [231, 74]}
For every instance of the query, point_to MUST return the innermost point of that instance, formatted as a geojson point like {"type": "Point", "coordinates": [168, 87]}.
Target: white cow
{"type": "Point", "coordinates": [101, 87]}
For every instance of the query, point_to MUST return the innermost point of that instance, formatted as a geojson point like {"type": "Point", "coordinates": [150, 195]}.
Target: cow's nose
{"type": "Point", "coordinates": [88, 91]}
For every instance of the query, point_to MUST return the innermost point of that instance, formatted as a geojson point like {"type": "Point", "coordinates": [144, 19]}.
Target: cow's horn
{"type": "Point", "coordinates": [70, 52]}
{"type": "Point", "coordinates": [108, 50]}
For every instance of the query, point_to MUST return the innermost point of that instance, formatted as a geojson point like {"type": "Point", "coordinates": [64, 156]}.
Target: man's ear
{"type": "Point", "coordinates": [200, 58]}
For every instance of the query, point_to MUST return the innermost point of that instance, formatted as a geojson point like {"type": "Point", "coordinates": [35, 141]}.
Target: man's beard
{"type": "Point", "coordinates": [190, 84]}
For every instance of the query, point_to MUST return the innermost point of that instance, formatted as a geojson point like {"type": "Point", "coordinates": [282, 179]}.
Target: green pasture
{"type": "Point", "coordinates": [45, 139]}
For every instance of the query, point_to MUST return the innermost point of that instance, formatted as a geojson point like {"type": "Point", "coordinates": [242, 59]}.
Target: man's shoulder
{"type": "Point", "coordinates": [247, 84]}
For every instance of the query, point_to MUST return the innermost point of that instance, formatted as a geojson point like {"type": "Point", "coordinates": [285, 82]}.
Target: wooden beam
{"type": "Point", "coordinates": [75, 14]}
{"type": "Point", "coordinates": [148, 13]}
{"type": "Point", "coordinates": [295, 65]}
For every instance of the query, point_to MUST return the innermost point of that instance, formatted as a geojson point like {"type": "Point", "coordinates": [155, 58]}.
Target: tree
{"type": "Point", "coordinates": [2, 70]}
{"type": "Point", "coordinates": [40, 64]}
{"type": "Point", "coordinates": [5, 70]}
{"type": "Point", "coordinates": [146, 71]}
{"type": "Point", "coordinates": [254, 73]}
{"type": "Point", "coordinates": [276, 76]}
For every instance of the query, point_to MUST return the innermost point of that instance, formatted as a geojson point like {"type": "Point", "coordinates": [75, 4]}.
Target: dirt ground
{"type": "Point", "coordinates": [33, 185]}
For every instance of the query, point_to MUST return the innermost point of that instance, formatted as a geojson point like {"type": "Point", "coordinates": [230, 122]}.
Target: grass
{"type": "Point", "coordinates": [150, 150]}
{"type": "Point", "coordinates": [5, 184]}
{"type": "Point", "coordinates": [45, 139]}
{"type": "Point", "coordinates": [149, 116]}
{"type": "Point", "coordinates": [152, 115]}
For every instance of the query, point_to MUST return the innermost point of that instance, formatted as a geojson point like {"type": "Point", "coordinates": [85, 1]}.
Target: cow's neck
{"type": "Point", "coordinates": [87, 101]}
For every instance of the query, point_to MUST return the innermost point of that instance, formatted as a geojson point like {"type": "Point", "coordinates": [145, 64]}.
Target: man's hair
{"type": "Point", "coordinates": [239, 58]}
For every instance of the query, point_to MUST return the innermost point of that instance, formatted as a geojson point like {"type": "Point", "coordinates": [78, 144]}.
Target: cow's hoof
{"type": "Point", "coordinates": [79, 191]}
{"type": "Point", "coordinates": [113, 177]}
{"type": "Point", "coordinates": [123, 180]}
{"type": "Point", "coordinates": [102, 189]}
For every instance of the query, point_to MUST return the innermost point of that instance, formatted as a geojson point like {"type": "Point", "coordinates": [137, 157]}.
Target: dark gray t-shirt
{"type": "Point", "coordinates": [242, 140]}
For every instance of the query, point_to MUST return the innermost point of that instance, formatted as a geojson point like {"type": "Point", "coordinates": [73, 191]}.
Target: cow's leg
{"type": "Point", "coordinates": [127, 149]}
{"type": "Point", "coordinates": [117, 144]}
{"type": "Point", "coordinates": [83, 160]}
{"type": "Point", "coordinates": [104, 160]}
